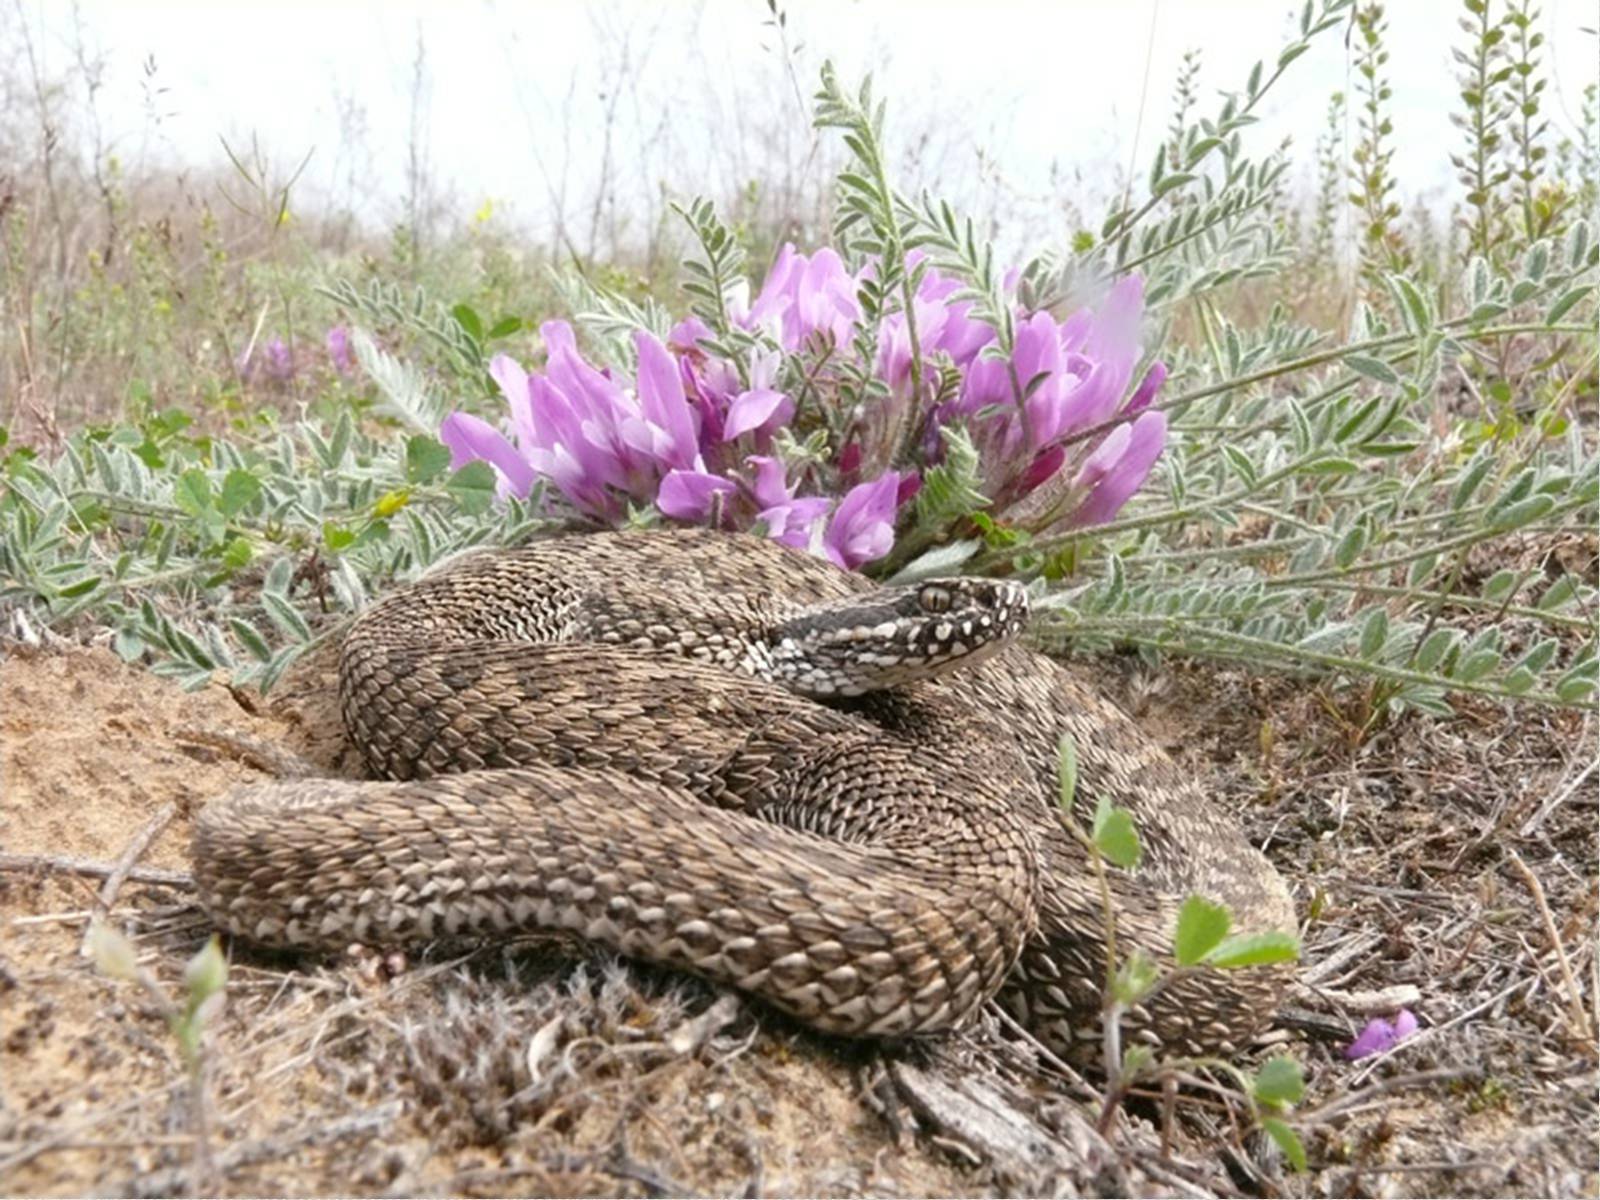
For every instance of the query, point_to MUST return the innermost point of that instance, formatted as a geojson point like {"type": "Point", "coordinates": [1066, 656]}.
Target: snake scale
{"type": "Point", "coordinates": [722, 755]}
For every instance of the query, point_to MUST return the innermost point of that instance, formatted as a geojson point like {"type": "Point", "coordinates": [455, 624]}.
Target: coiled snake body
{"type": "Point", "coordinates": [722, 755]}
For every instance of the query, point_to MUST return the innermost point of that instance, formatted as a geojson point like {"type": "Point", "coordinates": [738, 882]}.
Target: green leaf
{"type": "Point", "coordinates": [1541, 656]}
{"type": "Point", "coordinates": [1067, 772]}
{"type": "Point", "coordinates": [1434, 647]}
{"type": "Point", "coordinates": [1255, 950]}
{"type": "Point", "coordinates": [1471, 478]}
{"type": "Point", "coordinates": [1372, 368]}
{"type": "Point", "coordinates": [1412, 303]}
{"type": "Point", "coordinates": [1523, 512]}
{"type": "Point", "coordinates": [1558, 594]}
{"type": "Point", "coordinates": [339, 444]}
{"type": "Point", "coordinates": [1279, 1081]}
{"type": "Point", "coordinates": [1331, 465]}
{"type": "Point", "coordinates": [1134, 978]}
{"type": "Point", "coordinates": [1374, 633]}
{"type": "Point", "coordinates": [939, 562]}
{"type": "Point", "coordinates": [335, 537]}
{"type": "Point", "coordinates": [1574, 689]}
{"type": "Point", "coordinates": [192, 492]}
{"type": "Point", "coordinates": [1350, 546]}
{"type": "Point", "coordinates": [1241, 464]}
{"type": "Point", "coordinates": [285, 616]}
{"type": "Point", "coordinates": [1115, 835]}
{"type": "Point", "coordinates": [425, 458]}
{"type": "Point", "coordinates": [80, 587]}
{"type": "Point", "coordinates": [239, 490]}
{"type": "Point", "coordinates": [1288, 1141]}
{"type": "Point", "coordinates": [504, 327]}
{"type": "Point", "coordinates": [1499, 585]}
{"type": "Point", "coordinates": [251, 637]}
{"type": "Point", "coordinates": [1578, 682]}
{"type": "Point", "coordinates": [1201, 927]}
{"type": "Point", "coordinates": [469, 321]}
{"type": "Point", "coordinates": [1519, 681]}
{"type": "Point", "coordinates": [1419, 571]}
{"type": "Point", "coordinates": [472, 487]}
{"type": "Point", "coordinates": [1566, 302]}
{"type": "Point", "coordinates": [951, 490]}
{"type": "Point", "coordinates": [237, 553]}
{"type": "Point", "coordinates": [1171, 183]}
{"type": "Point", "coordinates": [1475, 664]}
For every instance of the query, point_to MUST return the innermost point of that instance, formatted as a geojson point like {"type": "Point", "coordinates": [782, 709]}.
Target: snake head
{"type": "Point", "coordinates": [895, 635]}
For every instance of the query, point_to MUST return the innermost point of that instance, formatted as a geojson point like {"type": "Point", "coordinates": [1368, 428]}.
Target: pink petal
{"type": "Point", "coordinates": [662, 401]}
{"type": "Point", "coordinates": [1147, 436]}
{"type": "Point", "coordinates": [1380, 1035]}
{"type": "Point", "coordinates": [770, 487]}
{"type": "Point", "coordinates": [686, 495]}
{"type": "Point", "coordinates": [1148, 387]}
{"type": "Point", "coordinates": [759, 408]}
{"type": "Point", "coordinates": [470, 438]}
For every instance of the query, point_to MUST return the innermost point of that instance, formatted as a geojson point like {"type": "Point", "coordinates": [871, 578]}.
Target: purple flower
{"type": "Point", "coordinates": [339, 350]}
{"type": "Point", "coordinates": [1148, 387]}
{"type": "Point", "coordinates": [1118, 466]}
{"type": "Point", "coordinates": [794, 522]}
{"type": "Point", "coordinates": [788, 519]}
{"type": "Point", "coordinates": [680, 433]}
{"type": "Point", "coordinates": [761, 410]}
{"type": "Point", "coordinates": [280, 361]}
{"type": "Point", "coordinates": [660, 426]}
{"type": "Point", "coordinates": [688, 333]}
{"type": "Point", "coordinates": [804, 296]}
{"type": "Point", "coordinates": [470, 438]}
{"type": "Point", "coordinates": [1381, 1035]}
{"type": "Point", "coordinates": [1042, 469]}
{"type": "Point", "coordinates": [603, 444]}
{"type": "Point", "coordinates": [688, 495]}
{"type": "Point", "coordinates": [862, 527]}
{"type": "Point", "coordinates": [941, 327]}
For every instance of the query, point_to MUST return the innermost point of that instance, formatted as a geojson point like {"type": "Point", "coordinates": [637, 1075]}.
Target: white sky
{"type": "Point", "coordinates": [516, 91]}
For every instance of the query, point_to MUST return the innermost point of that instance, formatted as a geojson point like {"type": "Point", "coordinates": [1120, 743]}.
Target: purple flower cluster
{"type": "Point", "coordinates": [692, 432]}
{"type": "Point", "coordinates": [1380, 1035]}
{"type": "Point", "coordinates": [278, 364]}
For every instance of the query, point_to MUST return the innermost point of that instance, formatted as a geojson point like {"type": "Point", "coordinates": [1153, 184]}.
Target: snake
{"type": "Point", "coordinates": [727, 756]}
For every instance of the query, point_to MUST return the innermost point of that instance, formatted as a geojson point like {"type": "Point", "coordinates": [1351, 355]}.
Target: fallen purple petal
{"type": "Point", "coordinates": [1380, 1035]}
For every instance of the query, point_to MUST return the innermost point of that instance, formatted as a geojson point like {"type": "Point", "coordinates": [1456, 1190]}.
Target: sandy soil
{"type": "Point", "coordinates": [524, 1070]}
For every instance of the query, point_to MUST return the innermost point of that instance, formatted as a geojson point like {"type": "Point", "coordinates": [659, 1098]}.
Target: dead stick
{"type": "Point", "coordinates": [1394, 1083]}
{"type": "Point", "coordinates": [1574, 997]}
{"type": "Point", "coordinates": [91, 867]}
{"type": "Point", "coordinates": [131, 853]}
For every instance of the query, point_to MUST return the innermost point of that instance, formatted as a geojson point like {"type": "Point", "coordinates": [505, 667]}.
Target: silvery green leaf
{"type": "Point", "coordinates": [939, 561]}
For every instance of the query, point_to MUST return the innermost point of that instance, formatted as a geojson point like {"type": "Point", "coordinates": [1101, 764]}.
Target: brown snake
{"type": "Point", "coordinates": [726, 756]}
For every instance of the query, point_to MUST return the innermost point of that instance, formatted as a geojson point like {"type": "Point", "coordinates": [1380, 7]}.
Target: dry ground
{"type": "Point", "coordinates": [528, 1070]}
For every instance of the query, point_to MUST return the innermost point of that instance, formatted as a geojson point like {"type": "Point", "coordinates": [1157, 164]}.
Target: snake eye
{"type": "Point", "coordinates": [935, 599]}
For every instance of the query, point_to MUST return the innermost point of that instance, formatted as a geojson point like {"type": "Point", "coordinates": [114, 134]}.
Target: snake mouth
{"type": "Point", "coordinates": [894, 636]}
